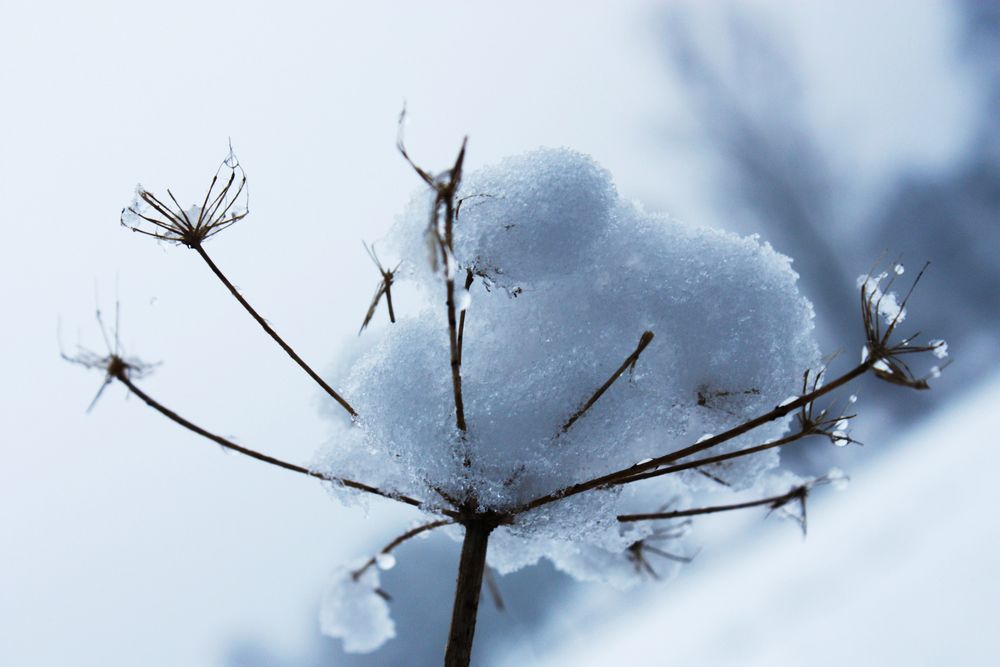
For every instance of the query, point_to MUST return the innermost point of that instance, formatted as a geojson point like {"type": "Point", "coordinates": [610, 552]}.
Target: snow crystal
{"type": "Point", "coordinates": [940, 348]}
{"type": "Point", "coordinates": [886, 303]}
{"type": "Point", "coordinates": [590, 272]}
{"type": "Point", "coordinates": [353, 610]}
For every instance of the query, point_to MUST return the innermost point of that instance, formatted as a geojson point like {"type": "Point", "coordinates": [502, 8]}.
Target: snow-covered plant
{"type": "Point", "coordinates": [595, 373]}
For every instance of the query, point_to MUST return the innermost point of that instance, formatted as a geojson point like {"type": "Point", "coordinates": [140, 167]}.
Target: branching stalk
{"type": "Point", "coordinates": [619, 476]}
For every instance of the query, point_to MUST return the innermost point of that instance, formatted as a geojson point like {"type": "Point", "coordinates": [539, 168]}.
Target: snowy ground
{"type": "Point", "coordinates": [900, 569]}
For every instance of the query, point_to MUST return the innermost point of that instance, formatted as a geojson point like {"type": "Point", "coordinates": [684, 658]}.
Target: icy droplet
{"type": "Point", "coordinates": [880, 365]}
{"type": "Point", "coordinates": [940, 348]}
{"type": "Point", "coordinates": [385, 561]}
{"type": "Point", "coordinates": [864, 353]}
{"type": "Point", "coordinates": [705, 437]}
{"type": "Point", "coordinates": [788, 401]}
{"type": "Point", "coordinates": [898, 269]}
{"type": "Point", "coordinates": [853, 398]}
{"type": "Point", "coordinates": [935, 372]}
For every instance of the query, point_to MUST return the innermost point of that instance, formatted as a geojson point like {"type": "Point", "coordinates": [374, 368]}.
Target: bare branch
{"type": "Point", "coordinates": [273, 334]}
{"type": "Point", "coordinates": [626, 473]}
{"type": "Point", "coordinates": [469, 277]}
{"type": "Point", "coordinates": [413, 532]}
{"type": "Point", "coordinates": [494, 588]}
{"type": "Point", "coordinates": [629, 362]}
{"type": "Point", "coordinates": [798, 493]}
{"type": "Point", "coordinates": [120, 372]}
{"type": "Point", "coordinates": [445, 187]}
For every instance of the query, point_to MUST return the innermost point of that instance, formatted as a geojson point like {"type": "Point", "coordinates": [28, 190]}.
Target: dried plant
{"type": "Point", "coordinates": [462, 504]}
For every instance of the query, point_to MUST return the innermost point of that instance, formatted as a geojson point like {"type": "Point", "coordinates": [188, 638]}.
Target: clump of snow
{"type": "Point", "coordinates": [886, 303]}
{"type": "Point", "coordinates": [940, 348]}
{"type": "Point", "coordinates": [353, 610]}
{"type": "Point", "coordinates": [838, 479]}
{"type": "Point", "coordinates": [568, 275]}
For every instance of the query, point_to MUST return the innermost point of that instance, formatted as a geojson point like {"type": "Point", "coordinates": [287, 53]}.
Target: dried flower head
{"type": "Point", "coordinates": [225, 203]}
{"type": "Point", "coordinates": [114, 363]}
{"type": "Point", "coordinates": [881, 313]}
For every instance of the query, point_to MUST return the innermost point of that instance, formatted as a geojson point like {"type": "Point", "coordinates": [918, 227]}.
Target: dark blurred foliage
{"type": "Point", "coordinates": [772, 169]}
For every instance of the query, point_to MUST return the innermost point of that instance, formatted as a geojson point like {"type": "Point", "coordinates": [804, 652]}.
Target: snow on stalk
{"type": "Point", "coordinates": [517, 420]}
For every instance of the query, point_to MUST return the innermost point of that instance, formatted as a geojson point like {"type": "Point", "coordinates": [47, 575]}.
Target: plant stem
{"type": "Point", "coordinates": [273, 334]}
{"type": "Point", "coordinates": [120, 374]}
{"type": "Point", "coordinates": [797, 493]}
{"type": "Point", "coordinates": [470, 582]}
{"type": "Point", "coordinates": [627, 474]}
{"type": "Point", "coordinates": [645, 340]}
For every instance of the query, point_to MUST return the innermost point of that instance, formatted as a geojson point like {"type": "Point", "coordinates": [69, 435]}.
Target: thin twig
{"type": "Point", "coordinates": [644, 340]}
{"type": "Point", "coordinates": [413, 532]}
{"type": "Point", "coordinates": [494, 588]}
{"type": "Point", "coordinates": [273, 334]}
{"type": "Point", "coordinates": [384, 287]}
{"type": "Point", "coordinates": [469, 277]}
{"type": "Point", "coordinates": [775, 502]}
{"type": "Point", "coordinates": [626, 473]}
{"type": "Point", "coordinates": [120, 373]}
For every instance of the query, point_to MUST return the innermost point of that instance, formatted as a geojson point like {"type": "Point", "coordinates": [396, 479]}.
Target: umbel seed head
{"type": "Point", "coordinates": [225, 203]}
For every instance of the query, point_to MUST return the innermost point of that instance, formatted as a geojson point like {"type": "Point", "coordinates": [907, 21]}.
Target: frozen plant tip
{"type": "Point", "coordinates": [221, 207]}
{"type": "Point", "coordinates": [515, 424]}
{"type": "Point", "coordinates": [384, 289]}
{"type": "Point", "coordinates": [881, 315]}
{"type": "Point", "coordinates": [225, 203]}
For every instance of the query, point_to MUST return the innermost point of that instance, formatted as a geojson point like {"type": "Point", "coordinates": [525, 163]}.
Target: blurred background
{"type": "Point", "coordinates": [837, 131]}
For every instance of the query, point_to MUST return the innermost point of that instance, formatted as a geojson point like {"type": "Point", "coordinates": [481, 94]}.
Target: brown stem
{"type": "Point", "coordinates": [470, 582]}
{"type": "Point", "coordinates": [456, 355]}
{"type": "Point", "coordinates": [413, 532]}
{"type": "Point", "coordinates": [122, 376]}
{"type": "Point", "coordinates": [388, 299]}
{"type": "Point", "coordinates": [623, 475]}
{"type": "Point", "coordinates": [644, 340]}
{"type": "Point", "coordinates": [774, 501]}
{"type": "Point", "coordinates": [273, 334]}
{"type": "Point", "coordinates": [718, 458]}
{"type": "Point", "coordinates": [469, 276]}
